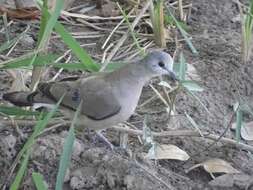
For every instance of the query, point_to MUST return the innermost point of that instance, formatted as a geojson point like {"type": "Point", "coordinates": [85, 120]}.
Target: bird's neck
{"type": "Point", "coordinates": [130, 74]}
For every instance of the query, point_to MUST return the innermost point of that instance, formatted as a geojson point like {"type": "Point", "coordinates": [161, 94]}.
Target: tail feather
{"type": "Point", "coordinates": [19, 98]}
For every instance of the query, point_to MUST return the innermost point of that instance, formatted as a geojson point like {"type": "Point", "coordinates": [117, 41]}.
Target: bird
{"type": "Point", "coordinates": [106, 98]}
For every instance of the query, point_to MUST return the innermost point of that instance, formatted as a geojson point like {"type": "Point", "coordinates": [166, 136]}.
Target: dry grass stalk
{"type": "Point", "coordinates": [157, 19]}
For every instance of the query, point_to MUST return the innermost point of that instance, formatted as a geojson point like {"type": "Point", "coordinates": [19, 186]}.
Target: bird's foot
{"type": "Point", "coordinates": [102, 138]}
{"type": "Point", "coordinates": [117, 149]}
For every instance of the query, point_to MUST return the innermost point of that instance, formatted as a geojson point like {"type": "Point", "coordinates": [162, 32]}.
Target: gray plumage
{"type": "Point", "coordinates": [107, 98]}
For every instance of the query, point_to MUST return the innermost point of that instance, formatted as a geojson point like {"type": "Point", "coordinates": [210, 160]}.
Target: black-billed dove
{"type": "Point", "coordinates": [107, 98]}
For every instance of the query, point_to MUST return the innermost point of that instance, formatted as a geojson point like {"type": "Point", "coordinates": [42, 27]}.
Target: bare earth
{"type": "Point", "coordinates": [216, 36]}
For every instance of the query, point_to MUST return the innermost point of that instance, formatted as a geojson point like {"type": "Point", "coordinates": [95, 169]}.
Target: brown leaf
{"type": "Point", "coordinates": [29, 13]}
{"type": "Point", "coordinates": [215, 165]}
{"type": "Point", "coordinates": [170, 151]}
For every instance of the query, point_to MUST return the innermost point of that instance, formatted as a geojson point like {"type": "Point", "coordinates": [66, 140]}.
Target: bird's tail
{"type": "Point", "coordinates": [20, 98]}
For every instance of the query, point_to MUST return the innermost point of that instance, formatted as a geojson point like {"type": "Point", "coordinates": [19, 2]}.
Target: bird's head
{"type": "Point", "coordinates": [159, 63]}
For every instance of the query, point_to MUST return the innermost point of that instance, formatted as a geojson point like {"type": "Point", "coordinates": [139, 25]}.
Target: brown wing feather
{"type": "Point", "coordinates": [99, 101]}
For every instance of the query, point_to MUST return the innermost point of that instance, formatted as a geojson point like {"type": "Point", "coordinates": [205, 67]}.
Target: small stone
{"type": "Point", "coordinates": [27, 41]}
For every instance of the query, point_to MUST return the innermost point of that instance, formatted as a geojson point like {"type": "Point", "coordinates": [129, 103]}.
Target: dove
{"type": "Point", "coordinates": [106, 98]}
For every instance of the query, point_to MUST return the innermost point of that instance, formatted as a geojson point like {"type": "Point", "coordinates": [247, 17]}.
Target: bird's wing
{"type": "Point", "coordinates": [98, 98]}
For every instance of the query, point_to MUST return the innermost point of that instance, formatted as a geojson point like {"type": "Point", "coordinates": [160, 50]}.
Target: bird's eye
{"type": "Point", "coordinates": [161, 64]}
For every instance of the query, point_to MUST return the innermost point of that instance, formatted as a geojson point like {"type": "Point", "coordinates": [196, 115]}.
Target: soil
{"type": "Point", "coordinates": [216, 34]}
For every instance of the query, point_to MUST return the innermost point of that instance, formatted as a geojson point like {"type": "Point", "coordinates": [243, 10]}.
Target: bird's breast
{"type": "Point", "coordinates": [129, 101]}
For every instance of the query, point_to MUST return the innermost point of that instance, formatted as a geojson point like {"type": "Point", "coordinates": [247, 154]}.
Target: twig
{"type": "Point", "coordinates": [97, 27]}
{"type": "Point", "coordinates": [8, 25]}
{"type": "Point", "coordinates": [153, 175]}
{"type": "Point", "coordinates": [104, 63]}
{"type": "Point", "coordinates": [181, 11]}
{"type": "Point", "coordinates": [129, 58]}
{"type": "Point", "coordinates": [219, 138]}
{"type": "Point", "coordinates": [159, 95]}
{"type": "Point", "coordinates": [164, 134]}
{"type": "Point", "coordinates": [60, 70]}
{"type": "Point", "coordinates": [118, 25]}
{"type": "Point", "coordinates": [15, 44]}
{"type": "Point", "coordinates": [147, 101]}
{"type": "Point", "coordinates": [7, 33]}
{"type": "Point", "coordinates": [124, 37]}
{"type": "Point", "coordinates": [75, 15]}
{"type": "Point", "coordinates": [22, 122]}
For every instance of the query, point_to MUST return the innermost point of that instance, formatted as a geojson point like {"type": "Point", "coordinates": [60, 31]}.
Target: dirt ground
{"type": "Point", "coordinates": [216, 35]}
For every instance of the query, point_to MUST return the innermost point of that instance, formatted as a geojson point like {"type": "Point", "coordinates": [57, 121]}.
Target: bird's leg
{"type": "Point", "coordinates": [118, 149]}
{"type": "Point", "coordinates": [104, 139]}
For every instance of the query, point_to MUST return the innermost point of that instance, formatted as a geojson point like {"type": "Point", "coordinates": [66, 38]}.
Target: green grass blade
{"type": "Point", "coordinates": [10, 43]}
{"type": "Point", "coordinates": [183, 32]}
{"type": "Point", "coordinates": [38, 181]}
{"type": "Point", "coordinates": [43, 21]}
{"type": "Point", "coordinates": [157, 20]}
{"type": "Point", "coordinates": [83, 56]}
{"type": "Point", "coordinates": [25, 61]}
{"type": "Point", "coordinates": [47, 25]}
{"type": "Point", "coordinates": [67, 152]}
{"type": "Point", "coordinates": [50, 22]}
{"type": "Point", "coordinates": [141, 50]}
{"type": "Point", "coordinates": [16, 111]}
{"type": "Point", "coordinates": [182, 67]}
{"type": "Point", "coordinates": [40, 126]}
{"type": "Point", "coordinates": [168, 20]}
{"type": "Point", "coordinates": [21, 172]}
{"type": "Point", "coordinates": [76, 48]}
{"type": "Point", "coordinates": [239, 116]}
{"type": "Point", "coordinates": [247, 25]}
{"type": "Point", "coordinates": [65, 158]}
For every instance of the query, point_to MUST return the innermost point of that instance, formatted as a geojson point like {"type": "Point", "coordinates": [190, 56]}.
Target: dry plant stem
{"type": "Point", "coordinates": [124, 37]}
{"type": "Point", "coordinates": [158, 23]}
{"type": "Point", "coordinates": [181, 11]}
{"type": "Point", "coordinates": [147, 101]}
{"type": "Point", "coordinates": [125, 50]}
{"type": "Point", "coordinates": [159, 95]}
{"type": "Point", "coordinates": [243, 43]}
{"type": "Point", "coordinates": [22, 122]}
{"type": "Point", "coordinates": [86, 17]}
{"type": "Point", "coordinates": [165, 93]}
{"type": "Point", "coordinates": [129, 58]}
{"type": "Point", "coordinates": [6, 26]}
{"type": "Point", "coordinates": [114, 30]}
{"type": "Point", "coordinates": [38, 71]}
{"type": "Point", "coordinates": [153, 175]}
{"type": "Point", "coordinates": [104, 64]}
{"type": "Point", "coordinates": [174, 133]}
{"type": "Point", "coordinates": [219, 138]}
{"type": "Point", "coordinates": [36, 75]}
{"type": "Point", "coordinates": [97, 27]}
{"type": "Point", "coordinates": [12, 48]}
{"type": "Point", "coordinates": [60, 70]}
{"type": "Point", "coordinates": [189, 133]}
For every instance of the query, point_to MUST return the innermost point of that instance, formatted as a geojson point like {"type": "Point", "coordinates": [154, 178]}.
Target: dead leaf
{"type": "Point", "coordinates": [246, 130]}
{"type": "Point", "coordinates": [22, 13]}
{"type": "Point", "coordinates": [215, 165]}
{"type": "Point", "coordinates": [165, 151]}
